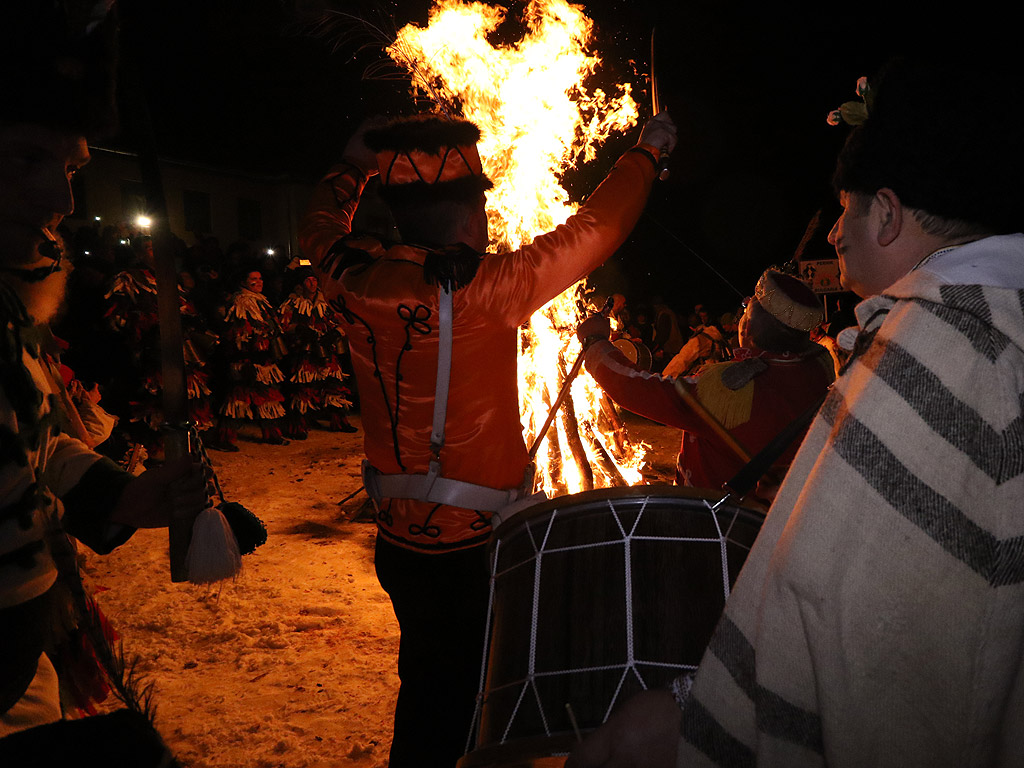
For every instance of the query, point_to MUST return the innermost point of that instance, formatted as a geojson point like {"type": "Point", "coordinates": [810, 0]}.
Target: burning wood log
{"type": "Point", "coordinates": [572, 436]}
{"type": "Point", "coordinates": [610, 423]}
{"type": "Point", "coordinates": [552, 477]}
{"type": "Point", "coordinates": [605, 461]}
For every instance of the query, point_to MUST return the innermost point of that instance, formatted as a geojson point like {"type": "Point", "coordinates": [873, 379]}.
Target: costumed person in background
{"type": "Point", "coordinates": [668, 338]}
{"type": "Point", "coordinates": [251, 344]}
{"type": "Point", "coordinates": [58, 89]}
{"type": "Point", "coordinates": [619, 312]}
{"type": "Point", "coordinates": [84, 418]}
{"type": "Point", "coordinates": [820, 336]}
{"type": "Point", "coordinates": [775, 375]}
{"type": "Point", "coordinates": [707, 344]}
{"type": "Point", "coordinates": [879, 617]}
{"type": "Point", "coordinates": [432, 325]}
{"type": "Point", "coordinates": [730, 328]}
{"type": "Point", "coordinates": [314, 339]}
{"type": "Point", "coordinates": [132, 314]}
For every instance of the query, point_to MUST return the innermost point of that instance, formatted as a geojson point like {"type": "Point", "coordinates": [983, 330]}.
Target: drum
{"type": "Point", "coordinates": [595, 597]}
{"type": "Point", "coordinates": [636, 352]}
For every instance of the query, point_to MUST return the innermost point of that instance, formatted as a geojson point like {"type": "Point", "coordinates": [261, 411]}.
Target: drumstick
{"type": "Point", "coordinates": [572, 719]}
{"type": "Point", "coordinates": [698, 408]}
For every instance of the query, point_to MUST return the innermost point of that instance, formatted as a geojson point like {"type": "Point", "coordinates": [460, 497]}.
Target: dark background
{"type": "Point", "coordinates": [249, 84]}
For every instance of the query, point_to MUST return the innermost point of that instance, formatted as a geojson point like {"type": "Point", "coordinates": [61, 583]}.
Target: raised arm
{"type": "Point", "coordinates": [554, 261]}
{"type": "Point", "coordinates": [335, 199]}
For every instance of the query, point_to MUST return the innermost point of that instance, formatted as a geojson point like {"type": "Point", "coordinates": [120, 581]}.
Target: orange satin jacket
{"type": "Point", "coordinates": [390, 315]}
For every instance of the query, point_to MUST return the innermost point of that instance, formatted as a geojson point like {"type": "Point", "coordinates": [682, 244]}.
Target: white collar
{"type": "Point", "coordinates": [995, 261]}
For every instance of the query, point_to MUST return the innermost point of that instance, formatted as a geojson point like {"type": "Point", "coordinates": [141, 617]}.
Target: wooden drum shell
{"type": "Point", "coordinates": [563, 630]}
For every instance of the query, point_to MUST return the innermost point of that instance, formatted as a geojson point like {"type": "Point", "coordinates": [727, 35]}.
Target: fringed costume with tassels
{"type": "Point", "coordinates": [132, 313]}
{"type": "Point", "coordinates": [251, 344]}
{"type": "Point", "coordinates": [314, 384]}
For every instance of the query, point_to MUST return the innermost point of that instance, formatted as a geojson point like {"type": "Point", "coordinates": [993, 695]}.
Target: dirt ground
{"type": "Point", "coordinates": [293, 664]}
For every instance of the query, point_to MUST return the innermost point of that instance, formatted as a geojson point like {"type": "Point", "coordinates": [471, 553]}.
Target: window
{"type": "Point", "coordinates": [197, 212]}
{"type": "Point", "coordinates": [250, 220]}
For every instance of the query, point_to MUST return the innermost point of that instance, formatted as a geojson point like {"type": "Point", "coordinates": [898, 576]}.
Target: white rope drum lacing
{"type": "Point", "coordinates": [631, 663]}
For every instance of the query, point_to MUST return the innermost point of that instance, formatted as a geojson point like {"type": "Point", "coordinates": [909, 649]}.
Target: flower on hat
{"type": "Point", "coordinates": [854, 112]}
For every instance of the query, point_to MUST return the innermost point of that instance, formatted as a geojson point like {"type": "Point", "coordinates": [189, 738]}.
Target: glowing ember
{"type": "Point", "coordinates": [536, 119]}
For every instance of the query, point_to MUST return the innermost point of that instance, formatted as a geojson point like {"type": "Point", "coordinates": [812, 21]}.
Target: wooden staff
{"type": "Point", "coordinates": [172, 360]}
{"type": "Point", "coordinates": [697, 407]}
{"type": "Point", "coordinates": [562, 394]}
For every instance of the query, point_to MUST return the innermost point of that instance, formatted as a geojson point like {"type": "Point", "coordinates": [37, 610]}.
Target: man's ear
{"type": "Point", "coordinates": [887, 213]}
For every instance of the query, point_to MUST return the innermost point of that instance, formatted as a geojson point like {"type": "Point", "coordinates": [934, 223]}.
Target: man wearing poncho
{"type": "Point", "coordinates": [879, 618]}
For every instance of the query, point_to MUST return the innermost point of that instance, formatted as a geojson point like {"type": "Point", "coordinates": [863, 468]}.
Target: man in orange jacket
{"type": "Point", "coordinates": [432, 324]}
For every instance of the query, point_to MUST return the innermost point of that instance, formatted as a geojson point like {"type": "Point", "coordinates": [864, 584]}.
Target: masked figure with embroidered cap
{"type": "Point", "coordinates": [432, 326]}
{"type": "Point", "coordinates": [777, 373]}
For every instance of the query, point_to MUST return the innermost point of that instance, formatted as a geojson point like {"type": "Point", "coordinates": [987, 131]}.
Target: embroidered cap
{"type": "Point", "coordinates": [428, 157]}
{"type": "Point", "coordinates": [788, 300]}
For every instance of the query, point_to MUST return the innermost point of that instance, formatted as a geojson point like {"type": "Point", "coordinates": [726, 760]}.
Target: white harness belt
{"type": "Point", "coordinates": [432, 487]}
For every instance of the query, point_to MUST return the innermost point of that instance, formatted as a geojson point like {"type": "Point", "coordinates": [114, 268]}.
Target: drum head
{"type": "Point", "coordinates": [627, 348]}
{"type": "Point", "coordinates": [636, 352]}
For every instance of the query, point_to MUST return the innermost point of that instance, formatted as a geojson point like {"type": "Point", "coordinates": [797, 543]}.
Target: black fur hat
{"type": "Point", "coordinates": [945, 136]}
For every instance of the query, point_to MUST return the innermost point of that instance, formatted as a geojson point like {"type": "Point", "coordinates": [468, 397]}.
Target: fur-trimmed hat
{"type": "Point", "coordinates": [427, 158]}
{"type": "Point", "coordinates": [944, 133]}
{"type": "Point", "coordinates": [58, 66]}
{"type": "Point", "coordinates": [788, 300]}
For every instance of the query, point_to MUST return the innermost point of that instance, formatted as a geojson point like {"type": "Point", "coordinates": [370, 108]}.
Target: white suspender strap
{"type": "Point", "coordinates": [432, 487]}
{"type": "Point", "coordinates": [444, 372]}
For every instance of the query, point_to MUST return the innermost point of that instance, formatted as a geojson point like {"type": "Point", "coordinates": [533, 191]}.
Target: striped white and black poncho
{"type": "Point", "coordinates": [879, 620]}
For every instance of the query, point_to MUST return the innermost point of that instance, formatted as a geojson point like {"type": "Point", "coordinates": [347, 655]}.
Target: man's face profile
{"type": "Point", "coordinates": [851, 238]}
{"type": "Point", "coordinates": [36, 168]}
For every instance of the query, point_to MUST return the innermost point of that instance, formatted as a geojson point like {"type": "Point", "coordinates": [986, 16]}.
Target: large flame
{"type": "Point", "coordinates": [536, 118]}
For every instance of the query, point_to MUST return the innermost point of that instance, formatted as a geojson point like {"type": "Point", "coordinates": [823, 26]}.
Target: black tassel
{"type": "Point", "coordinates": [249, 530]}
{"type": "Point", "coordinates": [452, 267]}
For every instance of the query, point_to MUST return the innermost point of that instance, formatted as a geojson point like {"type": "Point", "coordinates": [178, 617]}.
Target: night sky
{"type": "Point", "coordinates": [244, 83]}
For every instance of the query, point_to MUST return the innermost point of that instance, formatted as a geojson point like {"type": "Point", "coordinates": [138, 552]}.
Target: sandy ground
{"type": "Point", "coordinates": [293, 663]}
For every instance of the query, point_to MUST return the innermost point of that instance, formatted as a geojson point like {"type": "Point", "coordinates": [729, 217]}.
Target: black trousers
{"type": "Point", "coordinates": [440, 601]}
